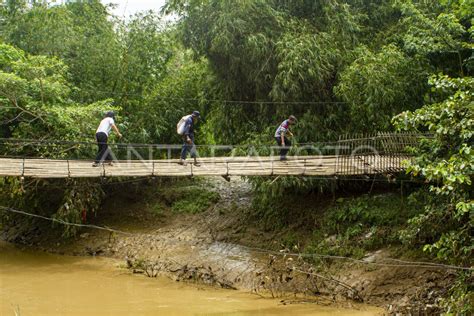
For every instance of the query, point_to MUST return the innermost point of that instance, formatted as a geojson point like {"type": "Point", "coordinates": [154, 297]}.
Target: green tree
{"type": "Point", "coordinates": [447, 161]}
{"type": "Point", "coordinates": [80, 33]}
{"type": "Point", "coordinates": [379, 85]}
{"type": "Point", "coordinates": [439, 31]}
{"type": "Point", "coordinates": [35, 104]}
{"type": "Point", "coordinates": [146, 51]}
{"type": "Point", "coordinates": [185, 88]}
{"type": "Point", "coordinates": [31, 84]}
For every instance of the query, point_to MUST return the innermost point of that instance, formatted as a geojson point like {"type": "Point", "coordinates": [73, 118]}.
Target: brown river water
{"type": "Point", "coordinates": [36, 283]}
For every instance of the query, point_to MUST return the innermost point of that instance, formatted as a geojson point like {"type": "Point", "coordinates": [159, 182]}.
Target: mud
{"type": "Point", "coordinates": [46, 284]}
{"type": "Point", "coordinates": [220, 247]}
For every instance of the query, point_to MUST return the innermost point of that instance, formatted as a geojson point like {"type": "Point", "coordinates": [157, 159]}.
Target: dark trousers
{"type": "Point", "coordinates": [103, 153]}
{"type": "Point", "coordinates": [284, 149]}
{"type": "Point", "coordinates": [188, 147]}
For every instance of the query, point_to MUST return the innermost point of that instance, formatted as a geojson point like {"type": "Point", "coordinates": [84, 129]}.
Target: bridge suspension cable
{"type": "Point", "coordinates": [388, 262]}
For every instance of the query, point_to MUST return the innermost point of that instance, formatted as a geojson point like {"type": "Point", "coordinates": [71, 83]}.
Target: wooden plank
{"type": "Point", "coordinates": [11, 167]}
{"type": "Point", "coordinates": [210, 169]}
{"type": "Point", "coordinates": [250, 159]}
{"type": "Point", "coordinates": [83, 169]}
{"type": "Point", "coordinates": [172, 169]}
{"type": "Point", "coordinates": [141, 169]}
{"type": "Point", "coordinates": [238, 166]}
{"type": "Point", "coordinates": [39, 168]}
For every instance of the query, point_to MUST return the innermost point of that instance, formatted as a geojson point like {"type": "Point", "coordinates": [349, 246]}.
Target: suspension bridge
{"type": "Point", "coordinates": [381, 153]}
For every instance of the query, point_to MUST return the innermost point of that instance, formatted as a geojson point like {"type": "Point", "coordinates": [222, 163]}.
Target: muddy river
{"type": "Point", "coordinates": [33, 283]}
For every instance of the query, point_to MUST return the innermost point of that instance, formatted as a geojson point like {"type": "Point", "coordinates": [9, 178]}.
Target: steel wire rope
{"type": "Point", "coordinates": [225, 101]}
{"type": "Point", "coordinates": [318, 146]}
{"type": "Point", "coordinates": [401, 263]}
{"type": "Point", "coordinates": [141, 145]}
{"type": "Point", "coordinates": [349, 179]}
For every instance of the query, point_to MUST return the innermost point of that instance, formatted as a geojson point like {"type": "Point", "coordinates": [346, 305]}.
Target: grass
{"type": "Point", "coordinates": [187, 198]}
{"type": "Point", "coordinates": [157, 208]}
{"type": "Point", "coordinates": [183, 196]}
{"type": "Point", "coordinates": [195, 200]}
{"type": "Point", "coordinates": [354, 226]}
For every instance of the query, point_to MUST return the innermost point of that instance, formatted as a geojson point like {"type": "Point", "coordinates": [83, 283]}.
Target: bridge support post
{"type": "Point", "coordinates": [333, 189]}
{"type": "Point", "coordinates": [22, 170]}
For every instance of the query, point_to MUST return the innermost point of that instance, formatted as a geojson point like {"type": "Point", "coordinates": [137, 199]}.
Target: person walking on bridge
{"type": "Point", "coordinates": [188, 138]}
{"type": "Point", "coordinates": [281, 136]}
{"type": "Point", "coordinates": [102, 135]}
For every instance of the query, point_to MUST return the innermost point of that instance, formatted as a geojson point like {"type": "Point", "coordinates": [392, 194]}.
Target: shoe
{"type": "Point", "coordinates": [110, 164]}
{"type": "Point", "coordinates": [197, 164]}
{"type": "Point", "coordinates": [182, 163]}
{"type": "Point", "coordinates": [283, 159]}
{"type": "Point", "coordinates": [95, 164]}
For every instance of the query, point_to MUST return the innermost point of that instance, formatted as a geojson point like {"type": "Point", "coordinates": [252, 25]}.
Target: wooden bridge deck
{"type": "Point", "coordinates": [223, 166]}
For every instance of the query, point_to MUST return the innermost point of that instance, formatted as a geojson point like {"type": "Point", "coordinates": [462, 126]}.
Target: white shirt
{"type": "Point", "coordinates": [105, 125]}
{"type": "Point", "coordinates": [282, 129]}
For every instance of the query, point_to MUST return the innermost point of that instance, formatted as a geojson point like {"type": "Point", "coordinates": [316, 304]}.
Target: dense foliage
{"type": "Point", "coordinates": [340, 66]}
{"type": "Point", "coordinates": [446, 226]}
{"type": "Point", "coordinates": [446, 161]}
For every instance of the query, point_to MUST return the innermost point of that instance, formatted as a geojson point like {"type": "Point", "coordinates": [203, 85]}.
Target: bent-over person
{"type": "Point", "coordinates": [102, 135]}
{"type": "Point", "coordinates": [281, 136]}
{"type": "Point", "coordinates": [188, 139]}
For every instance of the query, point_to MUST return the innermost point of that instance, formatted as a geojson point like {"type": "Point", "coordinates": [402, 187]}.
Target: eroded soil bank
{"type": "Point", "coordinates": [35, 283]}
{"type": "Point", "coordinates": [221, 247]}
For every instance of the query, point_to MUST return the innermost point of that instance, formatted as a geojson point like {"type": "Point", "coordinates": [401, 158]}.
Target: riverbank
{"type": "Point", "coordinates": [213, 242]}
{"type": "Point", "coordinates": [45, 284]}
